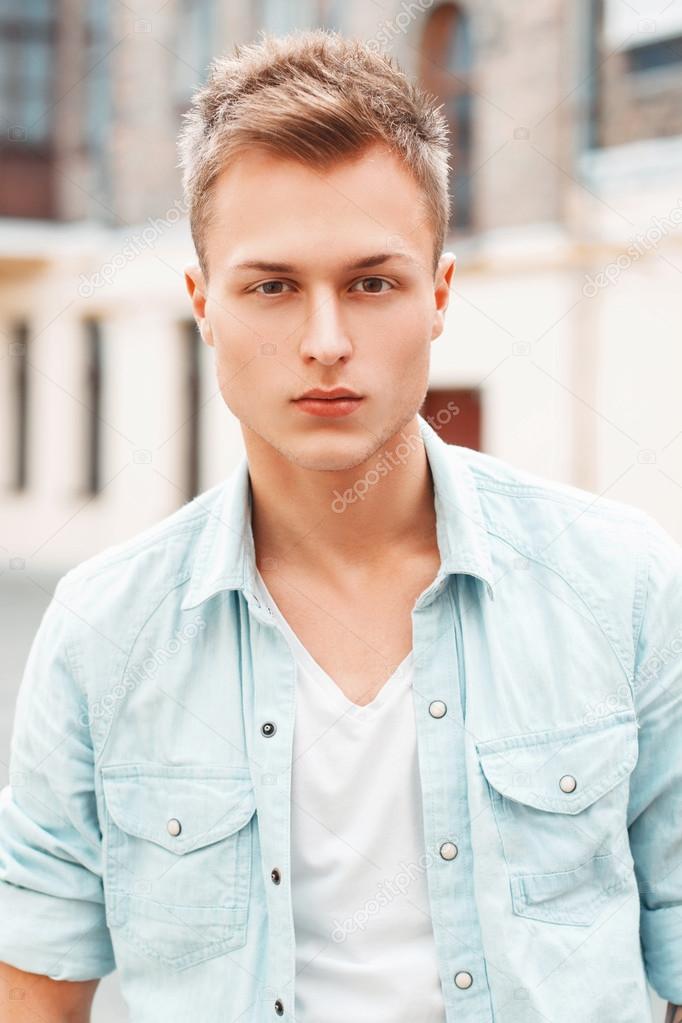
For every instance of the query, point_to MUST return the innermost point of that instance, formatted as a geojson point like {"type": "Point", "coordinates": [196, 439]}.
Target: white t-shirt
{"type": "Point", "coordinates": [364, 940]}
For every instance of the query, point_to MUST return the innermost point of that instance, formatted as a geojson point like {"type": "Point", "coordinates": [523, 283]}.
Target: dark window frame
{"type": "Point", "coordinates": [191, 362]}
{"type": "Point", "coordinates": [93, 403]}
{"type": "Point", "coordinates": [21, 400]}
{"type": "Point", "coordinates": [656, 55]}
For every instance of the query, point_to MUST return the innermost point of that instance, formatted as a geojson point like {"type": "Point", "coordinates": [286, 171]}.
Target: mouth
{"type": "Point", "coordinates": [329, 408]}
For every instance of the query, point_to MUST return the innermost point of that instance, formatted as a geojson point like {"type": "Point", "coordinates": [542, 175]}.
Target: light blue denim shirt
{"type": "Point", "coordinates": [149, 796]}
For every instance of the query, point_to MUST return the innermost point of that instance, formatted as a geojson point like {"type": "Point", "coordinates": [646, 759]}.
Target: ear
{"type": "Point", "coordinates": [443, 280]}
{"type": "Point", "coordinates": [197, 289]}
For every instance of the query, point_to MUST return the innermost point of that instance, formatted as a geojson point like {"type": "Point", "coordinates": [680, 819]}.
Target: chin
{"type": "Point", "coordinates": [321, 456]}
{"type": "Point", "coordinates": [325, 450]}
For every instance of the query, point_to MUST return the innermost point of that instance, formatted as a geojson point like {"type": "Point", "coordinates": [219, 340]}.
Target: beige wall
{"type": "Point", "coordinates": [576, 386]}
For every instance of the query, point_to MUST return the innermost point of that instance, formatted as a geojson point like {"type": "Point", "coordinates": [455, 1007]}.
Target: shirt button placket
{"type": "Point", "coordinates": [454, 911]}
{"type": "Point", "coordinates": [273, 733]}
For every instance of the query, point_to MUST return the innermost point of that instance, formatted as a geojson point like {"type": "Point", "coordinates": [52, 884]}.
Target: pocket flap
{"type": "Point", "coordinates": [209, 803]}
{"type": "Point", "coordinates": [529, 768]}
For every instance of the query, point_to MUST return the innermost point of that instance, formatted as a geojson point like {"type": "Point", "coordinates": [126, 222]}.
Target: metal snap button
{"type": "Point", "coordinates": [567, 783]}
{"type": "Point", "coordinates": [437, 709]}
{"type": "Point", "coordinates": [463, 979]}
{"type": "Point", "coordinates": [279, 1008]}
{"type": "Point", "coordinates": [275, 875]}
{"type": "Point", "coordinates": [174, 827]}
{"type": "Point", "coordinates": [268, 729]}
{"type": "Point", "coordinates": [448, 850]}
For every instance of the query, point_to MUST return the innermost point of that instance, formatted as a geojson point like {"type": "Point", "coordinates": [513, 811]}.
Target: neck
{"type": "Point", "coordinates": [305, 516]}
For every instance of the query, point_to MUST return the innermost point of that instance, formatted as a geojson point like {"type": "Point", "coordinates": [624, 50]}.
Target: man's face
{"type": "Point", "coordinates": [278, 332]}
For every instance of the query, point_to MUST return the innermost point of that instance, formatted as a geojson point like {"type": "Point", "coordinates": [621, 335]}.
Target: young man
{"type": "Point", "coordinates": [378, 728]}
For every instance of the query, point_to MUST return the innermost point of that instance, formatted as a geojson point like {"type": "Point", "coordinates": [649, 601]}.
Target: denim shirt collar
{"type": "Point", "coordinates": [226, 552]}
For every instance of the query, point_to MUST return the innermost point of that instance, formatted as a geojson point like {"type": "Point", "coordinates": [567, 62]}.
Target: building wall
{"type": "Point", "coordinates": [577, 380]}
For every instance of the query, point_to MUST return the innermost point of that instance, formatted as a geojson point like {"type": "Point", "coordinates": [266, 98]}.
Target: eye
{"type": "Point", "coordinates": [267, 284]}
{"type": "Point", "coordinates": [283, 284]}
{"type": "Point", "coordinates": [381, 280]}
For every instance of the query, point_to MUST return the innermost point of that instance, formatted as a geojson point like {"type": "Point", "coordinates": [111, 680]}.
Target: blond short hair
{"type": "Point", "coordinates": [316, 97]}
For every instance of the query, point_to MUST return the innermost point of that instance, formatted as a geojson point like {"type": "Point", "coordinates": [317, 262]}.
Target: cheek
{"type": "Point", "coordinates": [248, 366]}
{"type": "Point", "coordinates": [407, 345]}
{"type": "Point", "coordinates": [236, 343]}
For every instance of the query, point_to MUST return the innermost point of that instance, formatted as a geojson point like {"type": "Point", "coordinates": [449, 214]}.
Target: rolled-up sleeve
{"type": "Point", "coordinates": [52, 918]}
{"type": "Point", "coordinates": [655, 808]}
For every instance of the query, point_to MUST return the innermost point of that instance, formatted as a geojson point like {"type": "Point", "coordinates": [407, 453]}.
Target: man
{"type": "Point", "coordinates": [378, 729]}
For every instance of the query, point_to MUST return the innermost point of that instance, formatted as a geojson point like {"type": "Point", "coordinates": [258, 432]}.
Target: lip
{"type": "Point", "coordinates": [334, 392]}
{"type": "Point", "coordinates": [330, 408]}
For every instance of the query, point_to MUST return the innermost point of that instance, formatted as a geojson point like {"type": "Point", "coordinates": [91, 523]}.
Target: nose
{"type": "Point", "coordinates": [323, 335]}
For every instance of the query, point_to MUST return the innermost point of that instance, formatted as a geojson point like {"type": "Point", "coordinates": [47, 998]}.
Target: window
{"type": "Point", "coordinates": [194, 47]}
{"type": "Point", "coordinates": [455, 414]}
{"type": "Point", "coordinates": [97, 101]}
{"type": "Point", "coordinates": [445, 68]}
{"type": "Point", "coordinates": [660, 54]}
{"type": "Point", "coordinates": [649, 33]}
{"type": "Point", "coordinates": [96, 80]}
{"type": "Point", "coordinates": [27, 44]}
{"type": "Point", "coordinates": [20, 404]}
{"type": "Point", "coordinates": [27, 40]}
{"type": "Point", "coordinates": [634, 87]}
{"type": "Point", "coordinates": [93, 402]}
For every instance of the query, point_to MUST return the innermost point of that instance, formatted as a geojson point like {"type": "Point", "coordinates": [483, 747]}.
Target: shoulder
{"type": "Point", "coordinates": [124, 580]}
{"type": "Point", "coordinates": [539, 513]}
{"type": "Point", "coordinates": [602, 557]}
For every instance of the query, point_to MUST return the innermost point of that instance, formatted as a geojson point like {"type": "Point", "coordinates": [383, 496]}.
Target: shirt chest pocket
{"type": "Point", "coordinates": [560, 803]}
{"type": "Point", "coordinates": [178, 858]}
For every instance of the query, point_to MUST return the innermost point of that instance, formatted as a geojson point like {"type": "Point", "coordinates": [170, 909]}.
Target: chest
{"type": "Point", "coordinates": [360, 636]}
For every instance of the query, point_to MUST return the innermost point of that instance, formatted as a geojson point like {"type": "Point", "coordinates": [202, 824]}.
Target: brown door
{"type": "Point", "coordinates": [455, 414]}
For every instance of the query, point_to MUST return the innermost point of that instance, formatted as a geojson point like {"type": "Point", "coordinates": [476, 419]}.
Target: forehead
{"type": "Point", "coordinates": [266, 206]}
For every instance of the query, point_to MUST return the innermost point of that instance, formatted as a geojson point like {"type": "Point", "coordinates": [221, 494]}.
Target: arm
{"type": "Point", "coordinates": [674, 1014]}
{"type": "Point", "coordinates": [655, 804]}
{"type": "Point", "coordinates": [28, 997]}
{"type": "Point", "coordinates": [52, 911]}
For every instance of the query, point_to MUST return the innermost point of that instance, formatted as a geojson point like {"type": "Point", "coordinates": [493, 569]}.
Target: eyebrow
{"type": "Point", "coordinates": [287, 268]}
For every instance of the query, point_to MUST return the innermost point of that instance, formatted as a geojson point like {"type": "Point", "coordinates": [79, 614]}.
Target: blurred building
{"type": "Point", "coordinates": [560, 350]}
